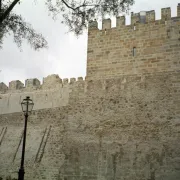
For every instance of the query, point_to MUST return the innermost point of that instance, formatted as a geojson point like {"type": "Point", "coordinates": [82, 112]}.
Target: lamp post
{"type": "Point", "coordinates": [27, 106]}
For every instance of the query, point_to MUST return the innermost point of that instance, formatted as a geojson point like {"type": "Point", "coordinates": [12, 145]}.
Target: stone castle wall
{"type": "Point", "coordinates": [118, 124]}
{"type": "Point", "coordinates": [145, 46]}
{"type": "Point", "coordinates": [124, 128]}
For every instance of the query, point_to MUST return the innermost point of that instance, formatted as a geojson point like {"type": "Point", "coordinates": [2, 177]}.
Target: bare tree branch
{"type": "Point", "coordinates": [22, 30]}
{"type": "Point", "coordinates": [67, 5]}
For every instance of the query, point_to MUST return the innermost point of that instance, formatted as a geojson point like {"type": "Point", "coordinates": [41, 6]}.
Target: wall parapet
{"type": "Point", "coordinates": [143, 17]}
{"type": "Point", "coordinates": [77, 90]}
{"type": "Point", "coordinates": [50, 82]}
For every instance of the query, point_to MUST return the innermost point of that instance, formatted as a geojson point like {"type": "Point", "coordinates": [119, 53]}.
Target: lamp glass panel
{"type": "Point", "coordinates": [27, 104]}
{"type": "Point", "coordinates": [24, 106]}
{"type": "Point", "coordinates": [30, 106]}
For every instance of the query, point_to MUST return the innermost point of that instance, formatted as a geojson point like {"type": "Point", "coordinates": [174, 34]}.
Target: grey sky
{"type": "Point", "coordinates": [66, 54]}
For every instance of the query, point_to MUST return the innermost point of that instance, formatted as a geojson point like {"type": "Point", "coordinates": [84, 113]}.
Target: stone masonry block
{"type": "Point", "coordinates": [13, 85]}
{"type": "Point", "coordinates": [93, 25]}
{"type": "Point", "coordinates": [72, 80]}
{"type": "Point", "coordinates": [80, 78]}
{"type": "Point", "coordinates": [65, 81]}
{"type": "Point", "coordinates": [150, 16]}
{"type": "Point", "coordinates": [134, 18]}
{"type": "Point", "coordinates": [52, 80]}
{"type": "Point", "coordinates": [120, 21]}
{"type": "Point", "coordinates": [3, 87]}
{"type": "Point", "coordinates": [165, 14]}
{"type": "Point", "coordinates": [32, 83]}
{"type": "Point", "coordinates": [106, 24]}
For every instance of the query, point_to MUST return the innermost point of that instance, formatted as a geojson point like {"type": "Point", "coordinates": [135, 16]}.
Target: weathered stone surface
{"type": "Point", "coordinates": [15, 85]}
{"type": "Point", "coordinates": [120, 21]}
{"type": "Point", "coordinates": [65, 81]}
{"type": "Point", "coordinates": [46, 98]}
{"type": "Point", "coordinates": [93, 25]}
{"type": "Point", "coordinates": [52, 81]}
{"type": "Point", "coordinates": [80, 78]}
{"type": "Point", "coordinates": [3, 87]}
{"type": "Point", "coordinates": [30, 83]}
{"type": "Point", "coordinates": [125, 128]}
{"type": "Point", "coordinates": [106, 24]}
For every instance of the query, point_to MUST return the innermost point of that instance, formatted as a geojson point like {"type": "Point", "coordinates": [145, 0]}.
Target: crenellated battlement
{"type": "Point", "coordinates": [53, 92]}
{"type": "Point", "coordinates": [50, 82]}
{"type": "Point", "coordinates": [143, 17]}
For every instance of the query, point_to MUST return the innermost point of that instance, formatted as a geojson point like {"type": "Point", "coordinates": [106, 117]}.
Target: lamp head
{"type": "Point", "coordinates": [27, 105]}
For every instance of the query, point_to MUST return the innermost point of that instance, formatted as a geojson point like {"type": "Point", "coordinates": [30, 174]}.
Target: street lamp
{"type": "Point", "coordinates": [27, 106]}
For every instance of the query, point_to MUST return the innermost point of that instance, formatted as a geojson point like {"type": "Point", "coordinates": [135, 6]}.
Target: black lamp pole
{"type": "Point", "coordinates": [27, 106]}
{"type": "Point", "coordinates": [21, 170]}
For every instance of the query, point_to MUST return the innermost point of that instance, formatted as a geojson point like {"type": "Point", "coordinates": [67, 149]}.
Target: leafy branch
{"type": "Point", "coordinates": [75, 13]}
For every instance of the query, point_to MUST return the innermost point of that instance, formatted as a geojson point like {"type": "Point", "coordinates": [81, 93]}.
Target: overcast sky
{"type": "Point", "coordinates": [66, 54]}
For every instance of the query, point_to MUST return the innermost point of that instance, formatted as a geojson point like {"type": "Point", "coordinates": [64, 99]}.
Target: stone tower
{"type": "Point", "coordinates": [145, 46]}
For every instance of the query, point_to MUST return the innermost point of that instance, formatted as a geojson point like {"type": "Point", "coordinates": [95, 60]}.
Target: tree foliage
{"type": "Point", "coordinates": [21, 30]}
{"type": "Point", "coordinates": [75, 13]}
